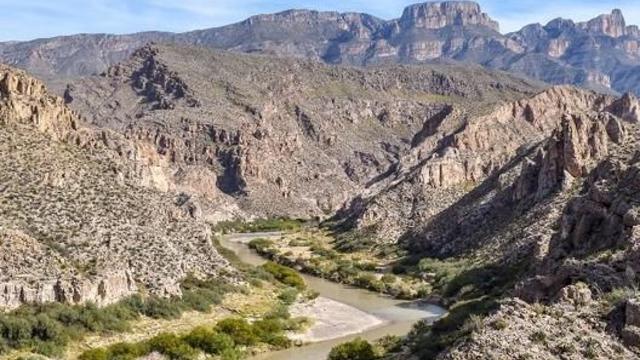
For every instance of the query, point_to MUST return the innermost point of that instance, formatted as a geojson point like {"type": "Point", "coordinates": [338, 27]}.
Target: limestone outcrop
{"type": "Point", "coordinates": [437, 15]}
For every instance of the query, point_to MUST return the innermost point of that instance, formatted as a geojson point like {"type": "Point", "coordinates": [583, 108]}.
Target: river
{"type": "Point", "coordinates": [398, 316]}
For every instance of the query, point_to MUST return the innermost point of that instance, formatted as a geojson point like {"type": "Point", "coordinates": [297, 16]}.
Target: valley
{"type": "Point", "coordinates": [323, 185]}
{"type": "Point", "coordinates": [384, 316]}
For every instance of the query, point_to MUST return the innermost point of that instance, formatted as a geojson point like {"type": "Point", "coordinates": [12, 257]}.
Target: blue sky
{"type": "Point", "coordinates": [28, 19]}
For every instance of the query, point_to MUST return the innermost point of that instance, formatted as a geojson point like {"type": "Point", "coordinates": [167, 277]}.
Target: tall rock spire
{"type": "Point", "coordinates": [608, 24]}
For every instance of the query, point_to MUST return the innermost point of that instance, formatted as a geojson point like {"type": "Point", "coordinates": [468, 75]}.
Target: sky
{"type": "Point", "coordinates": [30, 19]}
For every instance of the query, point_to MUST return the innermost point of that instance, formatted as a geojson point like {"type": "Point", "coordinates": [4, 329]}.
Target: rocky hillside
{"type": "Point", "coordinates": [545, 229]}
{"type": "Point", "coordinates": [276, 136]}
{"type": "Point", "coordinates": [572, 211]}
{"type": "Point", "coordinates": [602, 53]}
{"type": "Point", "coordinates": [77, 223]}
{"type": "Point", "coordinates": [456, 153]}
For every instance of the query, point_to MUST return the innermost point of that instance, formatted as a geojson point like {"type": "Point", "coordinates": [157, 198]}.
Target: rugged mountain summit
{"type": "Point", "coordinates": [438, 15]}
{"type": "Point", "coordinates": [612, 25]}
{"type": "Point", "coordinates": [76, 222]}
{"type": "Point", "coordinates": [279, 136]}
{"type": "Point", "coordinates": [602, 53]}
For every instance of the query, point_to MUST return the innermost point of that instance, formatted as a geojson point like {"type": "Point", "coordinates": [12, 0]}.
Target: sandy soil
{"type": "Point", "coordinates": [332, 320]}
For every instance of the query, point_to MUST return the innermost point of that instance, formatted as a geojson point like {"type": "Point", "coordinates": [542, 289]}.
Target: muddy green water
{"type": "Point", "coordinates": [398, 316]}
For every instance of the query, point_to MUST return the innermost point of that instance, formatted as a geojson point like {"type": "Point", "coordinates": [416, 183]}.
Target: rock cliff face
{"type": "Point", "coordinates": [438, 15]}
{"type": "Point", "coordinates": [612, 24]}
{"type": "Point", "coordinates": [33, 273]}
{"type": "Point", "coordinates": [77, 223]}
{"type": "Point", "coordinates": [25, 100]}
{"type": "Point", "coordinates": [462, 150]}
{"type": "Point", "coordinates": [560, 52]}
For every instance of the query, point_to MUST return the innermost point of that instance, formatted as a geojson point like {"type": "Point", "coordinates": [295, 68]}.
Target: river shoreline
{"type": "Point", "coordinates": [331, 320]}
{"type": "Point", "coordinates": [341, 312]}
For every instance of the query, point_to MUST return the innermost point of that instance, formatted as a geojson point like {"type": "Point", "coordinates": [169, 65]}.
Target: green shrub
{"type": "Point", "coordinates": [172, 346]}
{"type": "Point", "coordinates": [285, 275]}
{"type": "Point", "coordinates": [369, 281]}
{"type": "Point", "coordinates": [48, 349]}
{"type": "Point", "coordinates": [619, 295]}
{"type": "Point", "coordinates": [357, 349]}
{"type": "Point", "coordinates": [201, 299]}
{"type": "Point", "coordinates": [346, 270]}
{"type": "Point", "coordinates": [389, 343]}
{"type": "Point", "coordinates": [240, 226]}
{"type": "Point", "coordinates": [239, 329]}
{"type": "Point", "coordinates": [389, 278]}
{"type": "Point", "coordinates": [297, 323]}
{"type": "Point", "coordinates": [46, 329]}
{"type": "Point", "coordinates": [366, 266]}
{"type": "Point", "coordinates": [289, 295]}
{"type": "Point", "coordinates": [261, 245]}
{"type": "Point", "coordinates": [95, 354]}
{"type": "Point", "coordinates": [499, 324]}
{"type": "Point", "coordinates": [280, 311]}
{"type": "Point", "coordinates": [231, 354]}
{"type": "Point", "coordinates": [279, 342]}
{"type": "Point", "coordinates": [271, 331]}
{"type": "Point", "coordinates": [538, 337]}
{"type": "Point", "coordinates": [209, 341]}
{"type": "Point", "coordinates": [127, 351]}
{"type": "Point", "coordinates": [162, 308]}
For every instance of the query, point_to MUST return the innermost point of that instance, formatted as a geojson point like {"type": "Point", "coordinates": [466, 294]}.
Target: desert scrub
{"type": "Point", "coordinates": [240, 226]}
{"type": "Point", "coordinates": [311, 252]}
{"type": "Point", "coordinates": [285, 275]}
{"type": "Point", "coordinates": [225, 339]}
{"type": "Point", "coordinates": [47, 329]}
{"type": "Point", "coordinates": [358, 349]}
{"type": "Point", "coordinates": [261, 245]}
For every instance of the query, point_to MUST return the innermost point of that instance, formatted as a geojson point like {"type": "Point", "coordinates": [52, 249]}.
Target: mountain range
{"type": "Point", "coordinates": [602, 53]}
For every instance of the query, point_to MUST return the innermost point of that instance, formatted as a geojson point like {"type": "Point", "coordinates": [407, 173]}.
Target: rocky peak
{"type": "Point", "coordinates": [627, 108]}
{"type": "Point", "coordinates": [25, 100]}
{"type": "Point", "coordinates": [437, 15]}
{"type": "Point", "coordinates": [559, 25]}
{"type": "Point", "coordinates": [151, 78]}
{"type": "Point", "coordinates": [608, 24]}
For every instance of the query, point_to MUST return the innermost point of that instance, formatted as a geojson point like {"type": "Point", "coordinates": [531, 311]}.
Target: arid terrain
{"type": "Point", "coordinates": [412, 158]}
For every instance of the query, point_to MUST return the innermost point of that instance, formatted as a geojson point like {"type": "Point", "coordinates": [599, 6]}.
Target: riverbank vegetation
{"type": "Point", "coordinates": [251, 330]}
{"type": "Point", "coordinates": [142, 323]}
{"type": "Point", "coordinates": [360, 349]}
{"type": "Point", "coordinates": [470, 290]}
{"type": "Point", "coordinates": [48, 328]}
{"type": "Point", "coordinates": [312, 251]}
{"type": "Point", "coordinates": [230, 339]}
{"type": "Point", "coordinates": [258, 225]}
